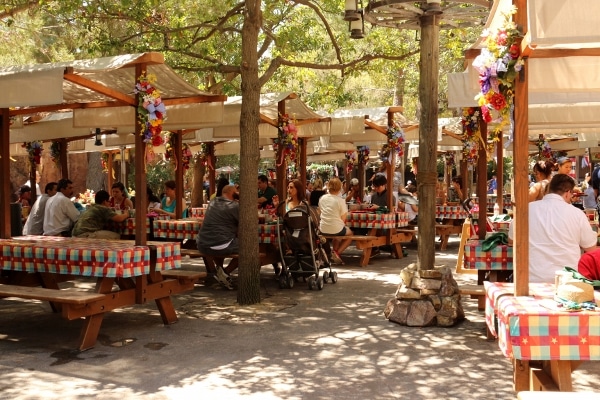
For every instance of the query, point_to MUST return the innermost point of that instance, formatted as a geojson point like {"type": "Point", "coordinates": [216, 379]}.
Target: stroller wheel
{"type": "Point", "coordinates": [320, 283]}
{"type": "Point", "coordinates": [311, 282]}
{"type": "Point", "coordinates": [333, 276]}
{"type": "Point", "coordinates": [325, 276]}
{"type": "Point", "coordinates": [290, 282]}
{"type": "Point", "coordinates": [282, 282]}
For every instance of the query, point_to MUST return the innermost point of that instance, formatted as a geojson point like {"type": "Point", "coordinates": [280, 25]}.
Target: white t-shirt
{"type": "Point", "coordinates": [60, 215]}
{"type": "Point", "coordinates": [557, 233]}
{"type": "Point", "coordinates": [332, 208]}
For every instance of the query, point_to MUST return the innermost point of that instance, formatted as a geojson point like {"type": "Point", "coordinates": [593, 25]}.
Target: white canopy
{"type": "Point", "coordinates": [564, 87]}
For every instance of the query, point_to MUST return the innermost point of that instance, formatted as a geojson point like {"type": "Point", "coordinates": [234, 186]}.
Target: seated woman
{"type": "Point", "coordinates": [317, 192]}
{"type": "Point", "coordinates": [153, 200]}
{"type": "Point", "coordinates": [354, 195]}
{"type": "Point", "coordinates": [407, 204]}
{"type": "Point", "coordinates": [542, 171]}
{"type": "Point", "coordinates": [333, 218]}
{"type": "Point", "coordinates": [119, 199]}
{"type": "Point", "coordinates": [168, 203]}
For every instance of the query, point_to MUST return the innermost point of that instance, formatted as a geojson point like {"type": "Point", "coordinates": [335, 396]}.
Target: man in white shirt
{"type": "Point", "coordinates": [557, 231]}
{"type": "Point", "coordinates": [35, 221]}
{"type": "Point", "coordinates": [38, 178]}
{"type": "Point", "coordinates": [60, 213]}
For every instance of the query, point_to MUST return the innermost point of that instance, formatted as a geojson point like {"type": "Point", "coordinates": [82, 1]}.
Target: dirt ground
{"type": "Point", "coordinates": [296, 344]}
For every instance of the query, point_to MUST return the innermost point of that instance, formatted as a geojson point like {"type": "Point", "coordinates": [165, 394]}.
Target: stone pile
{"type": "Point", "coordinates": [426, 298]}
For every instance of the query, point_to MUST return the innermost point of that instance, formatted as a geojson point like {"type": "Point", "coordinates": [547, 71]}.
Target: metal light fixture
{"type": "Point", "coordinates": [357, 28]}
{"type": "Point", "coordinates": [352, 13]}
{"type": "Point", "coordinates": [98, 142]}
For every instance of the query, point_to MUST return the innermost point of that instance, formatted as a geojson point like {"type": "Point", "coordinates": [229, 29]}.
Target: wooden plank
{"type": "Point", "coordinates": [53, 295]}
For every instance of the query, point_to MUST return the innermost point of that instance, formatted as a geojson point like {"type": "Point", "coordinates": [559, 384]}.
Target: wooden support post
{"type": "Point", "coordinates": [179, 187]}
{"type": "Point", "coordinates": [141, 204]}
{"type": "Point", "coordinates": [521, 167]}
{"type": "Point", "coordinates": [5, 176]}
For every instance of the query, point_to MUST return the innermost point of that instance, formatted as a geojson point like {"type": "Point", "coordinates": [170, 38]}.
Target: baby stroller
{"type": "Point", "coordinates": [301, 249]}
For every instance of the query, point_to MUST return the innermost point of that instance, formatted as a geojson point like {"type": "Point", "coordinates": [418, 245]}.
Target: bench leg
{"type": "Point", "coordinates": [397, 250]}
{"type": "Point", "coordinates": [89, 331]}
{"type": "Point", "coordinates": [444, 243]}
{"type": "Point", "coordinates": [366, 255]}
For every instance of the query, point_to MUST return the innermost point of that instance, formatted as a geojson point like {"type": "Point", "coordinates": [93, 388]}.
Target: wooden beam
{"type": "Point", "coordinates": [378, 128]}
{"type": "Point", "coordinates": [194, 99]}
{"type": "Point", "coordinates": [149, 58]}
{"type": "Point", "coordinates": [98, 88]}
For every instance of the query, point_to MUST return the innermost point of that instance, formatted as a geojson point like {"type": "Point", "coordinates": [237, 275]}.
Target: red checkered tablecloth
{"type": "Point", "coordinates": [127, 227]}
{"type": "Point", "coordinates": [371, 220]}
{"type": "Point", "coordinates": [501, 226]}
{"type": "Point", "coordinates": [402, 218]}
{"type": "Point", "coordinates": [267, 233]}
{"type": "Point", "coordinates": [450, 212]}
{"type": "Point", "coordinates": [531, 328]}
{"type": "Point", "coordinates": [498, 258]}
{"type": "Point", "coordinates": [177, 229]}
{"type": "Point", "coordinates": [85, 257]}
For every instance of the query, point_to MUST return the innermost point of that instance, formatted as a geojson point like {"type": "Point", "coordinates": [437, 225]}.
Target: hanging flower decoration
{"type": "Point", "coordinates": [544, 149]}
{"type": "Point", "coordinates": [395, 136]}
{"type": "Point", "coordinates": [498, 65]}
{"type": "Point", "coordinates": [34, 150]}
{"type": "Point", "coordinates": [363, 154]}
{"type": "Point", "coordinates": [471, 133]}
{"type": "Point", "coordinates": [287, 139]}
{"type": "Point", "coordinates": [104, 161]}
{"type": "Point", "coordinates": [492, 139]}
{"type": "Point", "coordinates": [186, 152]}
{"type": "Point", "coordinates": [449, 159]}
{"type": "Point", "coordinates": [152, 111]}
{"type": "Point", "coordinates": [351, 158]}
{"type": "Point", "coordinates": [55, 151]}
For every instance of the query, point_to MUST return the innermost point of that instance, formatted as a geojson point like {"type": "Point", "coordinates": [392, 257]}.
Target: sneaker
{"type": "Point", "coordinates": [223, 278]}
{"type": "Point", "coordinates": [375, 252]}
{"type": "Point", "coordinates": [335, 257]}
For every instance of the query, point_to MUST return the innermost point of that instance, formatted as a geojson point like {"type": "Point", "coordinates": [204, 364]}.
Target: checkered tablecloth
{"type": "Point", "coordinates": [267, 233]}
{"type": "Point", "coordinates": [498, 258]}
{"type": "Point", "coordinates": [197, 212]}
{"type": "Point", "coordinates": [371, 220]}
{"type": "Point", "coordinates": [85, 257]}
{"type": "Point", "coordinates": [501, 226]}
{"type": "Point", "coordinates": [529, 328]}
{"type": "Point", "coordinates": [177, 229]}
{"type": "Point", "coordinates": [127, 227]}
{"type": "Point", "coordinates": [450, 212]}
{"type": "Point", "coordinates": [402, 219]}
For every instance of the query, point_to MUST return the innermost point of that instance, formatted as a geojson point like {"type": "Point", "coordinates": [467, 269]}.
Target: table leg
{"type": "Point", "coordinates": [89, 331]}
{"type": "Point", "coordinates": [560, 371]}
{"type": "Point", "coordinates": [521, 371]}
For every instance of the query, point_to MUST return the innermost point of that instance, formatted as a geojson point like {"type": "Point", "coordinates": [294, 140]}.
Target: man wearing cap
{"type": "Point", "coordinates": [557, 231]}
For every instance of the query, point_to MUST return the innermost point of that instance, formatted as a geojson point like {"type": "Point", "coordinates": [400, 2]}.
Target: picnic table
{"type": "Point", "coordinates": [33, 267]}
{"type": "Point", "coordinates": [382, 230]}
{"type": "Point", "coordinates": [533, 328]}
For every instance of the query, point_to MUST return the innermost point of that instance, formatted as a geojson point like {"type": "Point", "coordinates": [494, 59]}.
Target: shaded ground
{"type": "Point", "coordinates": [297, 344]}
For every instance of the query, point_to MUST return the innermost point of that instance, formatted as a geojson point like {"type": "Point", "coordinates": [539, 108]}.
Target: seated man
{"type": "Point", "coordinates": [92, 221]}
{"type": "Point", "coordinates": [35, 222]}
{"type": "Point", "coordinates": [379, 196]}
{"type": "Point", "coordinates": [218, 233]}
{"type": "Point", "coordinates": [557, 231]}
{"type": "Point", "coordinates": [60, 213]}
{"type": "Point", "coordinates": [265, 192]}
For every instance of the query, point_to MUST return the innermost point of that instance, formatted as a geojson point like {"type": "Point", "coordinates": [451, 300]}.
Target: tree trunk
{"type": "Point", "coordinates": [427, 171]}
{"type": "Point", "coordinates": [198, 183]}
{"type": "Point", "coordinates": [249, 269]}
{"type": "Point", "coordinates": [95, 177]}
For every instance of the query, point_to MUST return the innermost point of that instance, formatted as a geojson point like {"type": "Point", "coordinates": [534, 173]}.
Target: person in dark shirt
{"type": "Point", "coordinates": [265, 192]}
{"type": "Point", "coordinates": [218, 233]}
{"type": "Point", "coordinates": [91, 223]}
{"type": "Point", "coordinates": [379, 196]}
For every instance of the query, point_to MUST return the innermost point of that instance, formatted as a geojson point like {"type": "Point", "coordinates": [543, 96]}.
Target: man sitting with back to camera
{"type": "Point", "coordinates": [91, 222]}
{"type": "Point", "coordinates": [218, 233]}
{"type": "Point", "coordinates": [60, 213]}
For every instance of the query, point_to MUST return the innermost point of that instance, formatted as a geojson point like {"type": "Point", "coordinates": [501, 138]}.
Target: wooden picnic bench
{"type": "Point", "coordinates": [444, 231]}
{"type": "Point", "coordinates": [137, 272]}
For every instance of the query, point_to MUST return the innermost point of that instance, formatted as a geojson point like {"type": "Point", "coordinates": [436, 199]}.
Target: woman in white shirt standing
{"type": "Point", "coordinates": [333, 218]}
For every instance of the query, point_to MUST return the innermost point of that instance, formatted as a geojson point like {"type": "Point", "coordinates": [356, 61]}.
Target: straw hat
{"type": "Point", "coordinates": [575, 291]}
